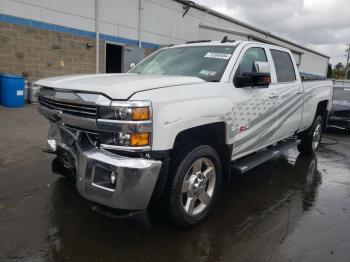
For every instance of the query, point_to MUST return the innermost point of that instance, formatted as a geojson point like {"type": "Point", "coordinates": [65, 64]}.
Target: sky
{"type": "Point", "coordinates": [322, 25]}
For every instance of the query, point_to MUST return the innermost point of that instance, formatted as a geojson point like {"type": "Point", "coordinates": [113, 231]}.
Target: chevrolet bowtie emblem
{"type": "Point", "coordinates": [58, 115]}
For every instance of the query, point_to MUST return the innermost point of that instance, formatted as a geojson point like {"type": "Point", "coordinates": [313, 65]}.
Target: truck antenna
{"type": "Point", "coordinates": [225, 39]}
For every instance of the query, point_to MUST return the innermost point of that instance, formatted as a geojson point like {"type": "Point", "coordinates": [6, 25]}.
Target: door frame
{"type": "Point", "coordinates": [105, 53]}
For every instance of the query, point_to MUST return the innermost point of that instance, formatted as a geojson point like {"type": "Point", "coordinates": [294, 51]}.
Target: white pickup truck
{"type": "Point", "coordinates": [171, 130]}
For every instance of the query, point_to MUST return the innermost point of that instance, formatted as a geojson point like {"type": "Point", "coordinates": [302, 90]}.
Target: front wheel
{"type": "Point", "coordinates": [311, 138]}
{"type": "Point", "coordinates": [194, 185]}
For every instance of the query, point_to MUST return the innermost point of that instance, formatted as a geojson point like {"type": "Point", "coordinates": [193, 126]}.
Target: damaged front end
{"type": "Point", "coordinates": [102, 175]}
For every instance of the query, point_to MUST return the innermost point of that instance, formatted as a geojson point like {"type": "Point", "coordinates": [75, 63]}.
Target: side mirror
{"type": "Point", "coordinates": [261, 76]}
{"type": "Point", "coordinates": [262, 80]}
{"type": "Point", "coordinates": [262, 67]}
{"type": "Point", "coordinates": [132, 65]}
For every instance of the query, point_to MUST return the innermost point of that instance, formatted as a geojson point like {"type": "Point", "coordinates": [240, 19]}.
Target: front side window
{"type": "Point", "coordinates": [283, 65]}
{"type": "Point", "coordinates": [254, 54]}
{"type": "Point", "coordinates": [206, 62]}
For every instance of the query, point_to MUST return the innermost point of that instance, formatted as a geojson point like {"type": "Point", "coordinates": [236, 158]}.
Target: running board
{"type": "Point", "coordinates": [253, 160]}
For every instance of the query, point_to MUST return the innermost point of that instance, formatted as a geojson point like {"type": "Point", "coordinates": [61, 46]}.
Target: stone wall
{"type": "Point", "coordinates": [36, 53]}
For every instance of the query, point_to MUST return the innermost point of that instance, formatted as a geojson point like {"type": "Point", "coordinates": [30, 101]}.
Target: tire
{"type": "Point", "coordinates": [311, 138]}
{"type": "Point", "coordinates": [195, 181]}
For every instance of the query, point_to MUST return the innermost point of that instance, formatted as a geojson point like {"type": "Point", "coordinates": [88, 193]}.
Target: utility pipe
{"type": "Point", "coordinates": [97, 30]}
{"type": "Point", "coordinates": [139, 21]}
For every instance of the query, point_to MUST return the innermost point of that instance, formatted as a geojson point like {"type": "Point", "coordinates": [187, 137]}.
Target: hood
{"type": "Point", "coordinates": [116, 86]}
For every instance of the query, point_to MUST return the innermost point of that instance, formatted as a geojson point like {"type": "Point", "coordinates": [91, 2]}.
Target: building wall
{"type": "Point", "coordinates": [37, 53]}
{"type": "Point", "coordinates": [162, 23]}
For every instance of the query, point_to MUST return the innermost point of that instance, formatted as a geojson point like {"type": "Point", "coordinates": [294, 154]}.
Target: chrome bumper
{"type": "Point", "coordinates": [135, 178]}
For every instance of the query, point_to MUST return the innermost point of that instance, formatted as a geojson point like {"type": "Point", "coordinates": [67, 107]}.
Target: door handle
{"type": "Point", "coordinates": [273, 96]}
{"type": "Point", "coordinates": [300, 92]}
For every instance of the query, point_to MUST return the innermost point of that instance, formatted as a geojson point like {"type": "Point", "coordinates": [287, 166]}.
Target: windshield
{"type": "Point", "coordinates": [206, 62]}
{"type": "Point", "coordinates": [341, 93]}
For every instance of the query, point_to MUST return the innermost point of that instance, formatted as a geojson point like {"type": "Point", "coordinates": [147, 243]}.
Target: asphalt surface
{"type": "Point", "coordinates": [292, 208]}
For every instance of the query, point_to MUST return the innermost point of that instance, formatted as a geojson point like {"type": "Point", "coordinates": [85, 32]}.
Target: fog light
{"type": "Point", "coordinates": [52, 144]}
{"type": "Point", "coordinates": [113, 179]}
{"type": "Point", "coordinates": [139, 139]}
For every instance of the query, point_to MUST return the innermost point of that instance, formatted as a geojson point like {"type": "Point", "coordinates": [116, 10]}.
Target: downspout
{"type": "Point", "coordinates": [97, 30]}
{"type": "Point", "coordinates": [139, 21]}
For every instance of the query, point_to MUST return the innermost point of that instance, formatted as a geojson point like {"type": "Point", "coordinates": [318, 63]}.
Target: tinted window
{"type": "Point", "coordinates": [284, 66]}
{"type": "Point", "coordinates": [254, 54]}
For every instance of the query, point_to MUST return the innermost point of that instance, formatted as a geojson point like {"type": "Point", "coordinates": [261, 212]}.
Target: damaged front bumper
{"type": "Point", "coordinates": [103, 177]}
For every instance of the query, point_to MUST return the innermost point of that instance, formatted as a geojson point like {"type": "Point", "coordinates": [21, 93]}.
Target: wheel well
{"type": "Point", "coordinates": [322, 111]}
{"type": "Point", "coordinates": [211, 134]}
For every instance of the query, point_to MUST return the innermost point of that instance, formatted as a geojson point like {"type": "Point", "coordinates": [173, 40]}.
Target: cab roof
{"type": "Point", "coordinates": [220, 43]}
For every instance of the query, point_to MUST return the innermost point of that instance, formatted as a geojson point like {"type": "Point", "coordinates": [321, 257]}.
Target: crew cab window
{"type": "Point", "coordinates": [254, 54]}
{"type": "Point", "coordinates": [283, 65]}
{"type": "Point", "coordinates": [206, 62]}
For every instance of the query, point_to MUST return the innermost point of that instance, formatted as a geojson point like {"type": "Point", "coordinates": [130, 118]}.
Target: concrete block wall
{"type": "Point", "coordinates": [37, 53]}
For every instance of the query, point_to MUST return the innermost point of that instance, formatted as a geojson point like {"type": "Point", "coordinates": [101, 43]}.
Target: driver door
{"type": "Point", "coordinates": [251, 105]}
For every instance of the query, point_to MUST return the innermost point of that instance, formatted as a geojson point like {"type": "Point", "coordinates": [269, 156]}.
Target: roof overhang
{"type": "Point", "coordinates": [230, 19]}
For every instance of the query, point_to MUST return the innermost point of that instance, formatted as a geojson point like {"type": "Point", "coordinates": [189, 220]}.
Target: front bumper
{"type": "Point", "coordinates": [135, 178]}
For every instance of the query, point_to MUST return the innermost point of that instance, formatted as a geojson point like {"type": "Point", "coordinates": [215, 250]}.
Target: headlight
{"type": "Point", "coordinates": [125, 124]}
{"type": "Point", "coordinates": [128, 111]}
{"type": "Point", "coordinates": [124, 139]}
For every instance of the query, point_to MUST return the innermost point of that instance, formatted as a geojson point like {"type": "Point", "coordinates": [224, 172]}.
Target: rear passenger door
{"type": "Point", "coordinates": [286, 95]}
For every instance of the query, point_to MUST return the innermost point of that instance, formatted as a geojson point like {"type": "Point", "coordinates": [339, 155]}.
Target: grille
{"type": "Point", "coordinates": [83, 110]}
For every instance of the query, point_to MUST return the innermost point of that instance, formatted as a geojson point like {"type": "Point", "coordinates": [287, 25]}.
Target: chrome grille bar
{"type": "Point", "coordinates": [69, 108]}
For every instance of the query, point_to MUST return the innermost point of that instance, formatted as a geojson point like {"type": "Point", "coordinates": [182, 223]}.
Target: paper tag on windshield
{"type": "Point", "coordinates": [218, 55]}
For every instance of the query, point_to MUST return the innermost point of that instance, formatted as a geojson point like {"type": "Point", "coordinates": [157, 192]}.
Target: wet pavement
{"type": "Point", "coordinates": [293, 208]}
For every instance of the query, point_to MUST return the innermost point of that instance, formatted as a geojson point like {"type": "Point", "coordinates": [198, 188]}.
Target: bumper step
{"type": "Point", "coordinates": [251, 161]}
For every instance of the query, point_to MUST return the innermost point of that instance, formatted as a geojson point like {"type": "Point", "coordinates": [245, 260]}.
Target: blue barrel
{"type": "Point", "coordinates": [11, 90]}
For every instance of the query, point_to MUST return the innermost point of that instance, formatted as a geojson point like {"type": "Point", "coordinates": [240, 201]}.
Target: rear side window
{"type": "Point", "coordinates": [284, 66]}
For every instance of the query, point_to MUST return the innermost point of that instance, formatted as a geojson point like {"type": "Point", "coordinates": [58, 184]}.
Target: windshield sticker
{"type": "Point", "coordinates": [218, 55]}
{"type": "Point", "coordinates": [207, 73]}
{"type": "Point", "coordinates": [204, 72]}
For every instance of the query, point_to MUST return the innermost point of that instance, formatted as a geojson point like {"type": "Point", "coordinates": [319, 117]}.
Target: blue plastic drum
{"type": "Point", "coordinates": [11, 90]}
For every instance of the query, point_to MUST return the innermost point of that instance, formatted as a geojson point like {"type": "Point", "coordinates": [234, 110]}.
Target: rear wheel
{"type": "Point", "coordinates": [194, 185]}
{"type": "Point", "coordinates": [311, 138]}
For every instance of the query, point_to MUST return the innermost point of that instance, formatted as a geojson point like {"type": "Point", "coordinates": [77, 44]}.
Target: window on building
{"type": "Point", "coordinates": [283, 65]}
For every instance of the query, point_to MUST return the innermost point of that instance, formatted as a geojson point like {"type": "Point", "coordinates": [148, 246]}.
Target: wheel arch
{"type": "Point", "coordinates": [213, 134]}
